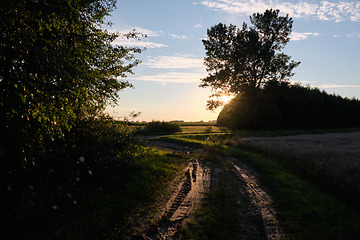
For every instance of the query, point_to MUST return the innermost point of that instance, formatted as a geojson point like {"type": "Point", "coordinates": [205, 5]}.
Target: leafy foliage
{"type": "Point", "coordinates": [285, 106]}
{"type": "Point", "coordinates": [243, 60]}
{"type": "Point", "coordinates": [59, 70]}
{"type": "Point", "coordinates": [70, 171]}
{"type": "Point", "coordinates": [57, 66]}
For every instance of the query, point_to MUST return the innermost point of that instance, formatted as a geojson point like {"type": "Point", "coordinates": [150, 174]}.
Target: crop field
{"type": "Point", "coordinates": [202, 129]}
{"type": "Point", "coordinates": [331, 160]}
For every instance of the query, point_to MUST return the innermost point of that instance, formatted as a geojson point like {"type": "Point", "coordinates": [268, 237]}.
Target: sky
{"type": "Point", "coordinates": [325, 39]}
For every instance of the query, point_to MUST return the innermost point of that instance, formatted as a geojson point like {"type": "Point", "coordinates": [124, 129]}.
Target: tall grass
{"type": "Point", "coordinates": [330, 160]}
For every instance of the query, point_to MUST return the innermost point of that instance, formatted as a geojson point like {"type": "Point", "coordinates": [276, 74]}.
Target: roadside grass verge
{"type": "Point", "coordinates": [304, 210]}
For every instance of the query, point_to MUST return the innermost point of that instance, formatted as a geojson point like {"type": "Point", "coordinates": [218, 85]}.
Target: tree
{"type": "Point", "coordinates": [244, 60]}
{"type": "Point", "coordinates": [57, 66]}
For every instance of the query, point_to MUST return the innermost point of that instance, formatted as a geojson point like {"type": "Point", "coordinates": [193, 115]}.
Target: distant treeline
{"type": "Point", "coordinates": [288, 106]}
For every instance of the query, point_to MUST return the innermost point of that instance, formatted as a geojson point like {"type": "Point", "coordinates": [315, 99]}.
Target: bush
{"type": "Point", "coordinates": [161, 127]}
{"type": "Point", "coordinates": [63, 176]}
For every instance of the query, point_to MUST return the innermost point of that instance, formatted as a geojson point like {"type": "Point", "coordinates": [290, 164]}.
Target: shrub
{"type": "Point", "coordinates": [162, 127]}
{"type": "Point", "coordinates": [65, 174]}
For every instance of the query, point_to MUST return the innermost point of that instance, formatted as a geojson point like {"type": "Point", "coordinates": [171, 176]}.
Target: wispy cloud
{"type": "Point", "coordinates": [132, 42]}
{"type": "Point", "coordinates": [147, 32]}
{"type": "Point", "coordinates": [357, 35]}
{"type": "Point", "coordinates": [138, 43]}
{"type": "Point", "coordinates": [179, 68]}
{"type": "Point", "coordinates": [327, 11]}
{"type": "Point", "coordinates": [176, 77]}
{"type": "Point", "coordinates": [175, 62]}
{"type": "Point", "coordinates": [178, 36]}
{"type": "Point", "coordinates": [296, 36]}
{"type": "Point", "coordinates": [338, 86]}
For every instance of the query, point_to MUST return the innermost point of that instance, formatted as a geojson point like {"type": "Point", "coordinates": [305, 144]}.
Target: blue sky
{"type": "Point", "coordinates": [325, 39]}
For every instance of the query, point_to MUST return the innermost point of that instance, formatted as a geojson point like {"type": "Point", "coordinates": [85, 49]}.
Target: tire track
{"type": "Point", "coordinates": [261, 200]}
{"type": "Point", "coordinates": [186, 198]}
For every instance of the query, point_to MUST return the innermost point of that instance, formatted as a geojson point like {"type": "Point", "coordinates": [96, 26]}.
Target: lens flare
{"type": "Point", "coordinates": [225, 99]}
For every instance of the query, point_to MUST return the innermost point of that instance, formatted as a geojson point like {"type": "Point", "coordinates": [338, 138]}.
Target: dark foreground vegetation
{"type": "Point", "coordinates": [290, 106]}
{"type": "Point", "coordinates": [84, 187]}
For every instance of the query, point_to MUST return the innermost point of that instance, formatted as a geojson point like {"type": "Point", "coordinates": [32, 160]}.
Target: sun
{"type": "Point", "coordinates": [225, 99]}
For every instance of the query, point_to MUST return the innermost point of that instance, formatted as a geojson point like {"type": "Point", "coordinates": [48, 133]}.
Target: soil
{"type": "Point", "coordinates": [257, 218]}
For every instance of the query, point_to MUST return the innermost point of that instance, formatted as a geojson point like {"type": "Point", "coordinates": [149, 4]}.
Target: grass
{"type": "Point", "coordinates": [161, 128]}
{"type": "Point", "coordinates": [108, 212]}
{"type": "Point", "coordinates": [305, 210]}
{"type": "Point", "coordinates": [218, 217]}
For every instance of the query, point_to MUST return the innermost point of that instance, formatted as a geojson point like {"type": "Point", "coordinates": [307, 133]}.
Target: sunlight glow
{"type": "Point", "coordinates": [225, 99]}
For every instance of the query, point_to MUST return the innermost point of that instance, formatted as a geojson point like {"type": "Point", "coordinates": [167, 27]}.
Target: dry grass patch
{"type": "Point", "coordinates": [331, 160]}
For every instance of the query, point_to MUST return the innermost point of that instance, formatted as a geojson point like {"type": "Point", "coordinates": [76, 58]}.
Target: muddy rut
{"type": "Point", "coordinates": [185, 198]}
{"type": "Point", "coordinates": [190, 190]}
{"type": "Point", "coordinates": [260, 199]}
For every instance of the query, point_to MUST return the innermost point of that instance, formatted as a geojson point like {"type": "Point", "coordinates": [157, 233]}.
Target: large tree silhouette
{"type": "Point", "coordinates": [243, 60]}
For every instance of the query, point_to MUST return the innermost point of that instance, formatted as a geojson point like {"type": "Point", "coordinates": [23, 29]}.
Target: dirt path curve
{"type": "Point", "coordinates": [188, 193]}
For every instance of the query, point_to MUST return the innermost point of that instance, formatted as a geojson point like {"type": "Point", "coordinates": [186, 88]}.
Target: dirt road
{"type": "Point", "coordinates": [257, 218]}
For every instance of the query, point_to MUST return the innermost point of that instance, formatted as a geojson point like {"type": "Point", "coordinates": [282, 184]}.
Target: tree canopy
{"type": "Point", "coordinates": [243, 60]}
{"type": "Point", "coordinates": [57, 65]}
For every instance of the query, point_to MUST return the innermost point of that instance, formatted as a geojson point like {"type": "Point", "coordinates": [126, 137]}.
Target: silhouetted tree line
{"type": "Point", "coordinates": [289, 106]}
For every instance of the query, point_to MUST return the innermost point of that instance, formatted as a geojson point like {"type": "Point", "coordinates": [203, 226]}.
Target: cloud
{"type": "Point", "coordinates": [178, 68]}
{"type": "Point", "coordinates": [327, 11]}
{"type": "Point", "coordinates": [132, 42]}
{"type": "Point", "coordinates": [295, 36]}
{"type": "Point", "coordinates": [178, 36]}
{"type": "Point", "coordinates": [147, 32]}
{"type": "Point", "coordinates": [138, 43]}
{"type": "Point", "coordinates": [357, 35]}
{"type": "Point", "coordinates": [175, 62]}
{"type": "Point", "coordinates": [199, 25]}
{"type": "Point", "coordinates": [175, 77]}
{"type": "Point", "coordinates": [338, 86]}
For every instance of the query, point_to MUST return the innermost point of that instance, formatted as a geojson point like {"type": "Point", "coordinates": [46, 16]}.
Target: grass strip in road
{"type": "Point", "coordinates": [305, 211]}
{"type": "Point", "coordinates": [218, 216]}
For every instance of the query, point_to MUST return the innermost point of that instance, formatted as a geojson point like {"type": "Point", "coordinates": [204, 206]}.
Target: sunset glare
{"type": "Point", "coordinates": [225, 99]}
